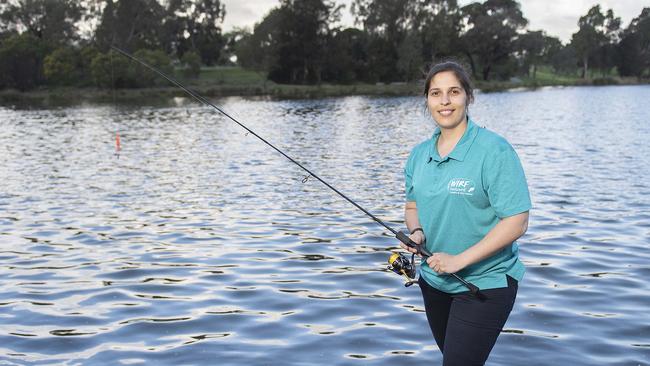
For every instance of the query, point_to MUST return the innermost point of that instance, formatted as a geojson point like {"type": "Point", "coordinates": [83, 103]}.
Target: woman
{"type": "Point", "coordinates": [467, 202]}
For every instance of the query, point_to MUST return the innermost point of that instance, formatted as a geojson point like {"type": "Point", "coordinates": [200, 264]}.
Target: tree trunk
{"type": "Point", "coordinates": [486, 73]}
{"type": "Point", "coordinates": [305, 74]}
{"type": "Point", "coordinates": [585, 64]}
{"type": "Point", "coordinates": [319, 73]}
{"type": "Point", "coordinates": [471, 64]}
{"type": "Point", "coordinates": [534, 71]}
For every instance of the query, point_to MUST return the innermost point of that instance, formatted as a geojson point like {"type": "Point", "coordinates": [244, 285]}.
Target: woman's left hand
{"type": "Point", "coordinates": [443, 263]}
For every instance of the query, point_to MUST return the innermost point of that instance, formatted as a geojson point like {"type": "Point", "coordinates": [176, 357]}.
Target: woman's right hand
{"type": "Point", "coordinates": [417, 237]}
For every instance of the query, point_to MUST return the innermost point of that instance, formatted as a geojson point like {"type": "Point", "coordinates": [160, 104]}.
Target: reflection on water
{"type": "Point", "coordinates": [200, 245]}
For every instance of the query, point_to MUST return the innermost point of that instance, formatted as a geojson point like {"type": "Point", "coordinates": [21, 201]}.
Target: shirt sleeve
{"type": "Point", "coordinates": [408, 179]}
{"type": "Point", "coordinates": [507, 189]}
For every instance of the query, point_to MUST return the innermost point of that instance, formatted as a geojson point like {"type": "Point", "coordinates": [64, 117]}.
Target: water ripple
{"type": "Point", "coordinates": [200, 244]}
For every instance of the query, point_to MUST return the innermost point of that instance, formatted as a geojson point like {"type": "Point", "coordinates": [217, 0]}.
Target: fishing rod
{"type": "Point", "coordinates": [398, 262]}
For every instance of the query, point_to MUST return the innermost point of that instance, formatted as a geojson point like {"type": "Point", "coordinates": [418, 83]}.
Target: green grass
{"type": "Point", "coordinates": [545, 76]}
{"type": "Point", "coordinates": [233, 80]}
{"type": "Point", "coordinates": [223, 75]}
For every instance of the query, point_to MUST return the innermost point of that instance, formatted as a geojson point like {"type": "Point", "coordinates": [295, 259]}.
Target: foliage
{"type": "Point", "coordinates": [131, 25]}
{"type": "Point", "coordinates": [386, 18]}
{"type": "Point", "coordinates": [347, 59]}
{"type": "Point", "coordinates": [302, 37]}
{"type": "Point", "coordinates": [387, 23]}
{"type": "Point", "coordinates": [21, 61]}
{"type": "Point", "coordinates": [194, 25]}
{"type": "Point", "coordinates": [87, 54]}
{"type": "Point", "coordinates": [597, 30]}
{"type": "Point", "coordinates": [563, 59]}
{"type": "Point", "coordinates": [156, 58]}
{"type": "Point", "coordinates": [490, 37]}
{"type": "Point", "coordinates": [290, 44]}
{"type": "Point", "coordinates": [297, 42]}
{"type": "Point", "coordinates": [634, 47]}
{"type": "Point", "coordinates": [409, 61]}
{"type": "Point", "coordinates": [228, 55]}
{"type": "Point", "coordinates": [112, 70]}
{"type": "Point", "coordinates": [535, 48]}
{"type": "Point", "coordinates": [192, 64]}
{"type": "Point", "coordinates": [257, 50]}
{"type": "Point", "coordinates": [63, 66]}
{"type": "Point", "coordinates": [53, 21]}
{"type": "Point", "coordinates": [440, 24]}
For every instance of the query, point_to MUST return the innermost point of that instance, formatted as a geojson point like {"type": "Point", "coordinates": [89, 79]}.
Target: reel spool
{"type": "Point", "coordinates": [401, 265]}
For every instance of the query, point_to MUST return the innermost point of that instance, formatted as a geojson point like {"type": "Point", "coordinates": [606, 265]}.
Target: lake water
{"type": "Point", "coordinates": [201, 245]}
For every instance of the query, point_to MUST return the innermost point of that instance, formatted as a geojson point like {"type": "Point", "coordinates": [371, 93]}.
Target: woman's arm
{"type": "Point", "coordinates": [502, 234]}
{"type": "Point", "coordinates": [412, 222]}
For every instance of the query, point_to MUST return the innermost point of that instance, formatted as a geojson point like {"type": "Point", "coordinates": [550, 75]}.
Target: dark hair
{"type": "Point", "coordinates": [461, 74]}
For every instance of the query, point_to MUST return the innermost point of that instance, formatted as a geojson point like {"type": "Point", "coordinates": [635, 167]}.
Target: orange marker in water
{"type": "Point", "coordinates": [118, 147]}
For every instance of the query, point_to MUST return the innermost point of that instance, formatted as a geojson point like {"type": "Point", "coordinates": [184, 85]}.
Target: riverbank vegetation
{"type": "Point", "coordinates": [62, 47]}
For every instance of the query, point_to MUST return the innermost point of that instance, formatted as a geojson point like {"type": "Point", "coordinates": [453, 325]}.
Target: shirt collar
{"type": "Point", "coordinates": [462, 147]}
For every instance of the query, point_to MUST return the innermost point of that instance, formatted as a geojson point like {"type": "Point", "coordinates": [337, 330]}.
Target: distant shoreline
{"type": "Point", "coordinates": [75, 95]}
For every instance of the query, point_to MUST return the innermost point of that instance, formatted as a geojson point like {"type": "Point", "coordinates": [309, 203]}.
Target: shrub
{"type": "Point", "coordinates": [157, 59]}
{"type": "Point", "coordinates": [21, 62]}
{"type": "Point", "coordinates": [115, 70]}
{"type": "Point", "coordinates": [87, 54]}
{"type": "Point", "coordinates": [63, 67]}
{"type": "Point", "coordinates": [112, 70]}
{"type": "Point", "coordinates": [191, 62]}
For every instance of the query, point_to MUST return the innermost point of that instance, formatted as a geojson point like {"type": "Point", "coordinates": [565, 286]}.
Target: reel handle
{"type": "Point", "coordinates": [425, 253]}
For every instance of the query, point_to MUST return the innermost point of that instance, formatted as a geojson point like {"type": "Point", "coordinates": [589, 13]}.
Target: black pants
{"type": "Point", "coordinates": [465, 327]}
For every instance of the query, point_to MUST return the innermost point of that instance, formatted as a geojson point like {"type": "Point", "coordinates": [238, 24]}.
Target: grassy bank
{"type": "Point", "coordinates": [235, 81]}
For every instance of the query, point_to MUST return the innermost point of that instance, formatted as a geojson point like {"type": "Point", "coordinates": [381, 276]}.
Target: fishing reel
{"type": "Point", "coordinates": [401, 265]}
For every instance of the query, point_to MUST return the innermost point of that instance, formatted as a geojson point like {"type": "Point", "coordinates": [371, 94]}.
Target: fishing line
{"type": "Point", "coordinates": [118, 145]}
{"type": "Point", "coordinates": [398, 234]}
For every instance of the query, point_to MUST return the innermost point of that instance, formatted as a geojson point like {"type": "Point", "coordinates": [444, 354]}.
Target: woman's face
{"type": "Point", "coordinates": [447, 100]}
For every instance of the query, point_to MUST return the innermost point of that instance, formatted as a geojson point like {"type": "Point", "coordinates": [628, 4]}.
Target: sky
{"type": "Point", "coordinates": [559, 18]}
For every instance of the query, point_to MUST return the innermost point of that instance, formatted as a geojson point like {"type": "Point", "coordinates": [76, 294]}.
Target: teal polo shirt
{"type": "Point", "coordinates": [461, 197]}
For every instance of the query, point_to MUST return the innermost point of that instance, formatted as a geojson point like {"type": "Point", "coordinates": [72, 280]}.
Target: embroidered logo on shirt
{"type": "Point", "coordinates": [461, 186]}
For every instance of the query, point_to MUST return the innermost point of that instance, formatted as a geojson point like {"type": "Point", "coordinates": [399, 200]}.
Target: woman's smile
{"type": "Point", "coordinates": [446, 112]}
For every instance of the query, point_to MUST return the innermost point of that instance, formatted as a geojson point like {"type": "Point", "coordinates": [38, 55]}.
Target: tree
{"type": "Point", "coordinates": [303, 39]}
{"type": "Point", "coordinates": [387, 23]}
{"type": "Point", "coordinates": [21, 61]}
{"type": "Point", "coordinates": [490, 35]}
{"type": "Point", "coordinates": [410, 61]}
{"type": "Point", "coordinates": [388, 19]}
{"type": "Point", "coordinates": [195, 25]}
{"type": "Point", "coordinates": [228, 55]}
{"type": "Point", "coordinates": [439, 23]}
{"type": "Point", "coordinates": [596, 31]}
{"type": "Point", "coordinates": [634, 48]}
{"type": "Point", "coordinates": [535, 48]}
{"type": "Point", "coordinates": [347, 59]}
{"type": "Point", "coordinates": [563, 59]}
{"type": "Point", "coordinates": [53, 21]}
{"type": "Point", "coordinates": [258, 50]}
{"type": "Point", "coordinates": [131, 25]}
{"type": "Point", "coordinates": [290, 42]}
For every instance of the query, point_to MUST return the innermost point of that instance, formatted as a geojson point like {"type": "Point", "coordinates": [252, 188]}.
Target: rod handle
{"type": "Point", "coordinates": [473, 289]}
{"type": "Point", "coordinates": [411, 244]}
